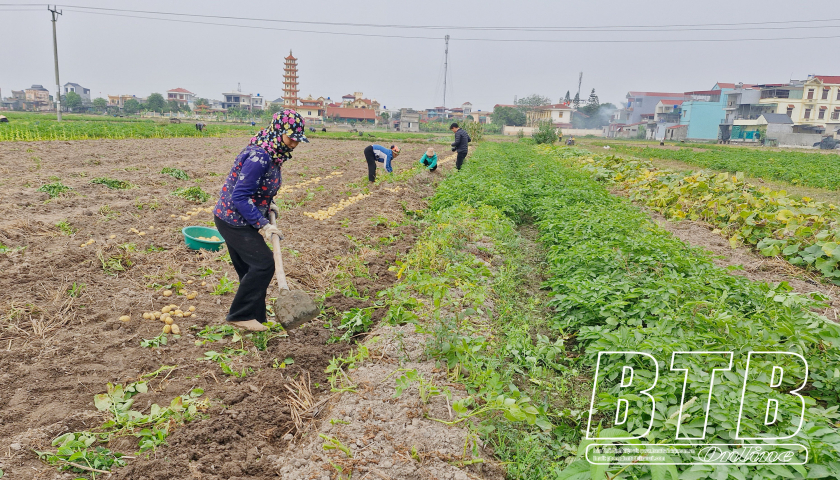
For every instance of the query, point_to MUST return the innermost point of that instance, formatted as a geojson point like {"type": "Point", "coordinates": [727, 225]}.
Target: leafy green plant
{"type": "Point", "coordinates": [225, 358]}
{"type": "Point", "coordinates": [65, 228]}
{"type": "Point", "coordinates": [112, 183]}
{"type": "Point", "coordinates": [225, 286]}
{"type": "Point", "coordinates": [7, 249]}
{"type": "Point", "coordinates": [332, 443]}
{"type": "Point", "coordinates": [156, 342]}
{"type": "Point", "coordinates": [76, 290]}
{"type": "Point", "coordinates": [78, 453]}
{"type": "Point", "coordinates": [54, 189]}
{"type": "Point", "coordinates": [193, 194]}
{"type": "Point", "coordinates": [354, 322]}
{"type": "Point", "coordinates": [175, 172]}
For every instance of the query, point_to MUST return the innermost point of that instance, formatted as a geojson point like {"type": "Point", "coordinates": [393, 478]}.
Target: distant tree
{"type": "Point", "coordinates": [546, 133]}
{"type": "Point", "coordinates": [173, 106]}
{"type": "Point", "coordinates": [156, 103]}
{"type": "Point", "coordinates": [131, 106]}
{"type": "Point", "coordinates": [202, 101]}
{"type": "Point", "coordinates": [593, 99]}
{"type": "Point", "coordinates": [532, 101]}
{"type": "Point", "coordinates": [567, 99]}
{"type": "Point", "coordinates": [508, 116]}
{"type": "Point", "coordinates": [385, 116]}
{"type": "Point", "coordinates": [186, 108]}
{"type": "Point", "coordinates": [72, 101]}
{"type": "Point", "coordinates": [100, 104]}
{"type": "Point", "coordinates": [576, 101]}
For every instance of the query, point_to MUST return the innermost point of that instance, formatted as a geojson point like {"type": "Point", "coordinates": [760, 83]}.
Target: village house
{"type": "Point", "coordinates": [38, 98]}
{"type": "Point", "coordinates": [357, 100]}
{"type": "Point", "coordinates": [79, 90]}
{"type": "Point", "coordinates": [313, 109]}
{"type": "Point", "coordinates": [559, 114]}
{"type": "Point", "coordinates": [119, 100]}
{"type": "Point", "coordinates": [182, 96]}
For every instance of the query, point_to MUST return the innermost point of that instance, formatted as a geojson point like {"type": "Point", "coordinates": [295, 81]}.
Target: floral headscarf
{"type": "Point", "coordinates": [270, 138]}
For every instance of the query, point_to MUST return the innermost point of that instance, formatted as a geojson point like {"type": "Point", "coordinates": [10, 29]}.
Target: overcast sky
{"type": "Point", "coordinates": [112, 55]}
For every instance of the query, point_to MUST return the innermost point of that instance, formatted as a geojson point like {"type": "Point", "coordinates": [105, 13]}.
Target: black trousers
{"type": "Point", "coordinates": [459, 161]}
{"type": "Point", "coordinates": [371, 161]}
{"type": "Point", "coordinates": [254, 263]}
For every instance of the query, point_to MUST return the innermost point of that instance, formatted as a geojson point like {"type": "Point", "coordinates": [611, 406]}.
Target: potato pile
{"type": "Point", "coordinates": [304, 184]}
{"type": "Point", "coordinates": [194, 211]}
{"type": "Point", "coordinates": [168, 315]}
{"type": "Point", "coordinates": [89, 242]}
{"type": "Point", "coordinates": [214, 238]}
{"type": "Point", "coordinates": [336, 207]}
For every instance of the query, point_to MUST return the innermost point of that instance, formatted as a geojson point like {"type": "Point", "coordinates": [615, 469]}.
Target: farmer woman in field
{"type": "Point", "coordinates": [378, 153]}
{"type": "Point", "coordinates": [430, 159]}
{"type": "Point", "coordinates": [246, 198]}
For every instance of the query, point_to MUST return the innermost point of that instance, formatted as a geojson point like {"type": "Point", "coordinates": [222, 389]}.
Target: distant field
{"type": "Point", "coordinates": [28, 127]}
{"type": "Point", "coordinates": [813, 169]}
{"type": "Point", "coordinates": [32, 127]}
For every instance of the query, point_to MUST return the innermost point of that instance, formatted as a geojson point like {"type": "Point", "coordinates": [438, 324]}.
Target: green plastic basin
{"type": "Point", "coordinates": [191, 235]}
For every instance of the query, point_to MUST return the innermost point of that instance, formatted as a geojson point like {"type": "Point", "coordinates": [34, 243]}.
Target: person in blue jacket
{"type": "Point", "coordinates": [241, 214]}
{"type": "Point", "coordinates": [378, 153]}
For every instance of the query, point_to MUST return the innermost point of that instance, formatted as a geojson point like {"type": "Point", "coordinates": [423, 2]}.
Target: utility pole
{"type": "Point", "coordinates": [445, 73]}
{"type": "Point", "coordinates": [55, 12]}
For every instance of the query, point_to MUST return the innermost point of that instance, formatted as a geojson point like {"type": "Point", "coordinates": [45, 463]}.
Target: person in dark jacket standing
{"type": "Point", "coordinates": [460, 145]}
{"type": "Point", "coordinates": [241, 214]}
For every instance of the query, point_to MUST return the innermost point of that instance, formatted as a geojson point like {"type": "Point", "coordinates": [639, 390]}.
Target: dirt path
{"type": "Point", "coordinates": [59, 330]}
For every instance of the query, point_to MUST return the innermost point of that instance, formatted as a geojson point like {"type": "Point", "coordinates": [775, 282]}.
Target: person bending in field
{"type": "Point", "coordinates": [430, 159]}
{"type": "Point", "coordinates": [241, 214]}
{"type": "Point", "coordinates": [460, 145]}
{"type": "Point", "coordinates": [378, 153]}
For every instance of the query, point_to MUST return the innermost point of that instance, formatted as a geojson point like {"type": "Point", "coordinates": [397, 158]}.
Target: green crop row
{"type": "Point", "coordinates": [821, 170]}
{"type": "Point", "coordinates": [805, 232]}
{"type": "Point", "coordinates": [619, 283]}
{"type": "Point", "coordinates": [31, 129]}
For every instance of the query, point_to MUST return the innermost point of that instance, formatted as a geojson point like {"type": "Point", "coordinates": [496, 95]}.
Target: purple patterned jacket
{"type": "Point", "coordinates": [249, 188]}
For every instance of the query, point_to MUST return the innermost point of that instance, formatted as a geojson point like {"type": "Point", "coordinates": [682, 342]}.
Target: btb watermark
{"type": "Point", "coordinates": [766, 449]}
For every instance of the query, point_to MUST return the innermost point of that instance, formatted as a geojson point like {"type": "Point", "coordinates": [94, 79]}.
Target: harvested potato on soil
{"type": "Point", "coordinates": [167, 293]}
{"type": "Point", "coordinates": [176, 330]}
{"type": "Point", "coordinates": [169, 321]}
{"type": "Point", "coordinates": [148, 316]}
{"type": "Point", "coordinates": [192, 308]}
{"type": "Point", "coordinates": [166, 309]}
{"type": "Point", "coordinates": [125, 318]}
{"type": "Point", "coordinates": [167, 329]}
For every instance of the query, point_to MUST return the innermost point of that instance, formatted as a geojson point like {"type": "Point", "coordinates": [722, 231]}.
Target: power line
{"type": "Point", "coordinates": [671, 27]}
{"type": "Point", "coordinates": [501, 40]}
{"type": "Point", "coordinates": [87, 10]}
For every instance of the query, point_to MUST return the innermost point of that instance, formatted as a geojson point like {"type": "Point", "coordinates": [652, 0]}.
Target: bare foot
{"type": "Point", "coordinates": [250, 325]}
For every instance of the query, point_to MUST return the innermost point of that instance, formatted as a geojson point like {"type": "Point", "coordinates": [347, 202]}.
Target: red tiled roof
{"type": "Point", "coordinates": [351, 113]}
{"type": "Point", "coordinates": [831, 79]}
{"type": "Point", "coordinates": [677, 126]}
{"type": "Point", "coordinates": [349, 95]}
{"type": "Point", "coordinates": [671, 102]}
{"type": "Point", "coordinates": [180, 90]}
{"type": "Point", "coordinates": [654, 94]}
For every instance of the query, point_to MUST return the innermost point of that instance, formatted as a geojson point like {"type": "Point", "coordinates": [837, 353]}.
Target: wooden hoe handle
{"type": "Point", "coordinates": [278, 258]}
